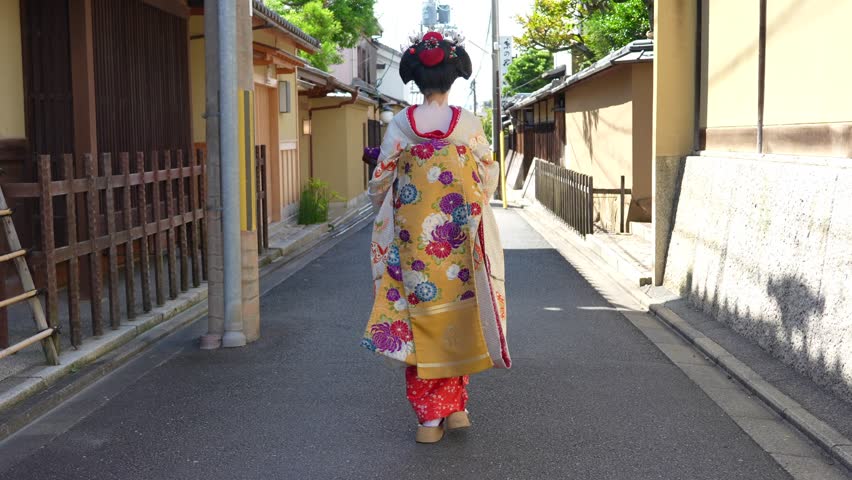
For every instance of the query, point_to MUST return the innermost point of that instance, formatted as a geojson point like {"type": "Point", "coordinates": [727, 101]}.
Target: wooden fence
{"type": "Point", "coordinates": [132, 212]}
{"type": "Point", "coordinates": [570, 196]}
{"type": "Point", "coordinates": [543, 140]}
{"type": "Point", "coordinates": [262, 207]}
{"type": "Point", "coordinates": [566, 193]}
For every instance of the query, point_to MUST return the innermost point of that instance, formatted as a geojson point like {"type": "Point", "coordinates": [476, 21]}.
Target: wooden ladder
{"type": "Point", "coordinates": [47, 335]}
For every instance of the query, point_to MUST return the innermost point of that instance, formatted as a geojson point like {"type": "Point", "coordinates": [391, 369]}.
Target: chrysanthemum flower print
{"type": "Point", "coordinates": [400, 305]}
{"type": "Point", "coordinates": [430, 223]}
{"type": "Point", "coordinates": [423, 151]}
{"type": "Point", "coordinates": [395, 272]}
{"type": "Point", "coordinates": [426, 291]}
{"type": "Point", "coordinates": [408, 194]}
{"type": "Point", "coordinates": [411, 278]}
{"type": "Point", "coordinates": [393, 295]}
{"type": "Point", "coordinates": [412, 299]}
{"type": "Point", "coordinates": [433, 174]}
{"type": "Point", "coordinates": [450, 201]}
{"type": "Point", "coordinates": [439, 249]}
{"type": "Point", "coordinates": [446, 177]}
{"type": "Point", "coordinates": [450, 232]}
{"type": "Point", "coordinates": [393, 256]}
{"type": "Point", "coordinates": [384, 339]}
{"type": "Point", "coordinates": [453, 272]}
{"type": "Point", "coordinates": [461, 214]}
{"type": "Point", "coordinates": [401, 330]}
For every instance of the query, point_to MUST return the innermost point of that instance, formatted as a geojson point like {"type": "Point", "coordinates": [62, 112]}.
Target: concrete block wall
{"type": "Point", "coordinates": [765, 246]}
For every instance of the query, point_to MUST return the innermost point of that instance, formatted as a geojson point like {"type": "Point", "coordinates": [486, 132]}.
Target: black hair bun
{"type": "Point", "coordinates": [464, 66]}
{"type": "Point", "coordinates": [434, 63]}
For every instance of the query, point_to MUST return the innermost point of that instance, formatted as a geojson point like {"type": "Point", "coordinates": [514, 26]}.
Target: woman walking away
{"type": "Point", "coordinates": [440, 303]}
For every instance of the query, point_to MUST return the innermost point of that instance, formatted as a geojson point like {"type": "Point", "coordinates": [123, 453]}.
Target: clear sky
{"type": "Point", "coordinates": [400, 18]}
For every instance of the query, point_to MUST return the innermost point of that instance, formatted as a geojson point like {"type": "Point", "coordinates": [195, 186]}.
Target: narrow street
{"type": "Point", "coordinates": [589, 397]}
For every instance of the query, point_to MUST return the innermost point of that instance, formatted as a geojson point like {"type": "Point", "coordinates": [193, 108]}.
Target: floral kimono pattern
{"type": "Point", "coordinates": [440, 303]}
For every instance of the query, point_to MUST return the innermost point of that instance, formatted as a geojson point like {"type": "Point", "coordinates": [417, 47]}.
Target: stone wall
{"type": "Point", "coordinates": [765, 246]}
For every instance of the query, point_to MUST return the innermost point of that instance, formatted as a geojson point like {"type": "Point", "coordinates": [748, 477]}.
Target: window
{"type": "Point", "coordinates": [284, 96]}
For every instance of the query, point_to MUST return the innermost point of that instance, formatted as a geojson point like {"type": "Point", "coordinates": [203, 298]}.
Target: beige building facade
{"type": "Point", "coordinates": [608, 135]}
{"type": "Point", "coordinates": [780, 93]}
{"type": "Point", "coordinates": [597, 122]}
{"type": "Point", "coordinates": [275, 47]}
{"type": "Point", "coordinates": [753, 159]}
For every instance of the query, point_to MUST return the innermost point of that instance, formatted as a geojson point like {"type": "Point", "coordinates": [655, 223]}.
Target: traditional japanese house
{"type": "Point", "coordinates": [97, 154]}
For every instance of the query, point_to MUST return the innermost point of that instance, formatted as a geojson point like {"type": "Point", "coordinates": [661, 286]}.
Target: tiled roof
{"type": "Point", "coordinates": [280, 21]}
{"type": "Point", "coordinates": [634, 52]}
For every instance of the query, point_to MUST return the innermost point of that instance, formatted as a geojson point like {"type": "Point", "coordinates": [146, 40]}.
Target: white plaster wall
{"type": "Point", "coordinates": [348, 70]}
{"type": "Point", "coordinates": [765, 246]}
{"type": "Point", "coordinates": [390, 82]}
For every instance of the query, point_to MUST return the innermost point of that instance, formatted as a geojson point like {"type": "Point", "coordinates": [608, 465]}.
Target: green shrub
{"type": "Point", "coordinates": [313, 205]}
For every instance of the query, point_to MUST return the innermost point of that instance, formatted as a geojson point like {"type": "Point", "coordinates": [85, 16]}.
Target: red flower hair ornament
{"type": "Point", "coordinates": [431, 54]}
{"type": "Point", "coordinates": [440, 50]}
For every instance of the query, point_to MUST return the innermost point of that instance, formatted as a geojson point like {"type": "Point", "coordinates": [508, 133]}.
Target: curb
{"type": "Point", "coordinates": [22, 406]}
{"type": "Point", "coordinates": [312, 234]}
{"type": "Point", "coordinates": [33, 397]}
{"type": "Point", "coordinates": [37, 378]}
{"type": "Point", "coordinates": [618, 262]}
{"type": "Point", "coordinates": [835, 444]}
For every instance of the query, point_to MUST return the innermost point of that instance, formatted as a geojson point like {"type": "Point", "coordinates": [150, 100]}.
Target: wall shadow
{"type": "Point", "coordinates": [786, 338]}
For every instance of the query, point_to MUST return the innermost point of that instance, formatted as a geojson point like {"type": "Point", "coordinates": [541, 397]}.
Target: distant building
{"type": "Point", "coordinates": [389, 82]}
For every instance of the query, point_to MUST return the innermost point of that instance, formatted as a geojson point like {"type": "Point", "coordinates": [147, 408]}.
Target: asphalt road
{"type": "Point", "coordinates": [589, 397]}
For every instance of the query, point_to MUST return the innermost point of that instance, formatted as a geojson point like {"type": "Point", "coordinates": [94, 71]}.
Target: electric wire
{"type": "Point", "coordinates": [482, 55]}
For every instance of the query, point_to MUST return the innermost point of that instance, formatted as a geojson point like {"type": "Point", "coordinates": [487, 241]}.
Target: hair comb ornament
{"type": "Point", "coordinates": [451, 36]}
{"type": "Point", "coordinates": [434, 59]}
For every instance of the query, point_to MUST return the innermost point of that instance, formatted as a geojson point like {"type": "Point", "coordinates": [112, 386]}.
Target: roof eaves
{"type": "Point", "coordinates": [634, 52]}
{"type": "Point", "coordinates": [554, 73]}
{"type": "Point", "coordinates": [329, 82]}
{"type": "Point", "coordinates": [279, 21]}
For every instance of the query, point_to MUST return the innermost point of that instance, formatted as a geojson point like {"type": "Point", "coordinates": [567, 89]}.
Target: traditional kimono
{"type": "Point", "coordinates": [440, 303]}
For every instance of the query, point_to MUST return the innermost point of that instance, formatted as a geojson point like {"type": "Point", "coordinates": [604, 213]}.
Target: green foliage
{"type": "Point", "coordinates": [524, 73]}
{"type": "Point", "coordinates": [558, 25]}
{"type": "Point", "coordinates": [335, 23]}
{"type": "Point", "coordinates": [357, 17]}
{"type": "Point", "coordinates": [607, 30]}
{"type": "Point", "coordinates": [488, 123]}
{"type": "Point", "coordinates": [313, 204]}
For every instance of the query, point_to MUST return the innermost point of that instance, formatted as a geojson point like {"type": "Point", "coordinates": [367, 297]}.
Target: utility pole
{"type": "Point", "coordinates": [234, 295]}
{"type": "Point", "coordinates": [247, 178]}
{"type": "Point", "coordinates": [473, 87]}
{"type": "Point", "coordinates": [497, 108]}
{"type": "Point", "coordinates": [213, 214]}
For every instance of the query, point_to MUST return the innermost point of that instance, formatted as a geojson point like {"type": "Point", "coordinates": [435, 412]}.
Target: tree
{"type": "Point", "coordinates": [557, 25]}
{"type": "Point", "coordinates": [318, 22]}
{"type": "Point", "coordinates": [607, 30]}
{"type": "Point", "coordinates": [524, 73]}
{"type": "Point", "coordinates": [335, 23]}
{"type": "Point", "coordinates": [488, 123]}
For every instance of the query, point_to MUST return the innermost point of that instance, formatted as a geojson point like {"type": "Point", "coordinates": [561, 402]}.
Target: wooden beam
{"type": "Point", "coordinates": [282, 57]}
{"type": "Point", "coordinates": [265, 60]}
{"type": "Point", "coordinates": [13, 150]}
{"type": "Point", "coordinates": [83, 77]}
{"type": "Point", "coordinates": [177, 8]}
